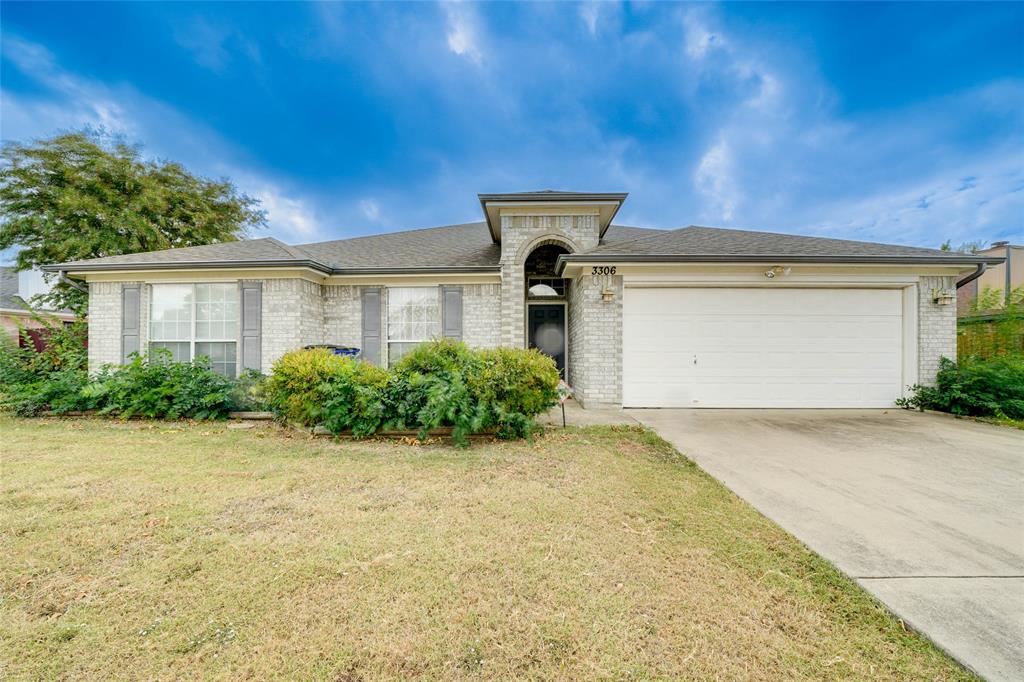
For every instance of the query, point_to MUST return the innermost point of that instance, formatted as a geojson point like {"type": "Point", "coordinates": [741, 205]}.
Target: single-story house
{"type": "Point", "coordinates": [635, 317]}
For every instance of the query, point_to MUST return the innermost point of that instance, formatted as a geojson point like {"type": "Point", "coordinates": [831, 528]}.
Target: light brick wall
{"type": "Point", "coordinates": [343, 321]}
{"type": "Point", "coordinates": [343, 315]}
{"type": "Point", "coordinates": [104, 324]}
{"type": "Point", "coordinates": [519, 235]}
{"type": "Point", "coordinates": [595, 341]}
{"type": "Point", "coordinates": [481, 315]}
{"type": "Point", "coordinates": [936, 324]}
{"type": "Point", "coordinates": [293, 317]}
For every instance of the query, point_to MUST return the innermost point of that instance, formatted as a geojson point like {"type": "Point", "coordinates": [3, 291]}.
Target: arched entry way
{"type": "Point", "coordinates": [546, 307]}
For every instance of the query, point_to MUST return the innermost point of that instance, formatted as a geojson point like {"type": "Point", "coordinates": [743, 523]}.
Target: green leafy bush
{"type": "Point", "coordinates": [439, 384]}
{"type": "Point", "coordinates": [59, 392]}
{"type": "Point", "coordinates": [56, 379]}
{"type": "Point", "coordinates": [432, 389]}
{"type": "Point", "coordinates": [248, 392]}
{"type": "Point", "coordinates": [153, 386]}
{"type": "Point", "coordinates": [516, 385]}
{"type": "Point", "coordinates": [358, 399]}
{"type": "Point", "coordinates": [299, 383]}
{"type": "Point", "coordinates": [976, 387]}
{"type": "Point", "coordinates": [33, 381]}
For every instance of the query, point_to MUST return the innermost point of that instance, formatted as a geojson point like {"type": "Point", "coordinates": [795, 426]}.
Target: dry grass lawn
{"type": "Point", "coordinates": [167, 551]}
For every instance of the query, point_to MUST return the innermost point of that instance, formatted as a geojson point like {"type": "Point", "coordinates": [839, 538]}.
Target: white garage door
{"type": "Point", "coordinates": [707, 347]}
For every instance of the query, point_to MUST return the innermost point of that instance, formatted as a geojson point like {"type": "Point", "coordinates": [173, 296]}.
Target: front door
{"type": "Point", "coordinates": [547, 332]}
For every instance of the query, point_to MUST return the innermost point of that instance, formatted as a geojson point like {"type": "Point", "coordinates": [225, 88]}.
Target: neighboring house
{"type": "Point", "coordinates": [15, 289]}
{"type": "Point", "coordinates": [1000, 277]}
{"type": "Point", "coordinates": [695, 317]}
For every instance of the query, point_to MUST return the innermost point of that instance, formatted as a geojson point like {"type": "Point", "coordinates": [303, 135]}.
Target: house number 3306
{"type": "Point", "coordinates": [604, 270]}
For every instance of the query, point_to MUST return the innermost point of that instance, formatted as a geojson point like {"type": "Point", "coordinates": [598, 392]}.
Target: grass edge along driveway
{"type": "Point", "coordinates": [159, 550]}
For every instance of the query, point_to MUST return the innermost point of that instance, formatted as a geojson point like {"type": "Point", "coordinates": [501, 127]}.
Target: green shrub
{"type": "Point", "coordinates": [438, 384]}
{"type": "Point", "coordinates": [59, 392]}
{"type": "Point", "coordinates": [33, 381]}
{"type": "Point", "coordinates": [357, 399]}
{"type": "Point", "coordinates": [977, 387]}
{"type": "Point", "coordinates": [299, 384]}
{"type": "Point", "coordinates": [517, 385]}
{"type": "Point", "coordinates": [56, 379]}
{"type": "Point", "coordinates": [432, 389]}
{"type": "Point", "coordinates": [248, 392]}
{"type": "Point", "coordinates": [153, 386]}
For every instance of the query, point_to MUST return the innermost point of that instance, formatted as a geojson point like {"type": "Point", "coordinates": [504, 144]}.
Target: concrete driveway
{"type": "Point", "coordinates": [924, 510]}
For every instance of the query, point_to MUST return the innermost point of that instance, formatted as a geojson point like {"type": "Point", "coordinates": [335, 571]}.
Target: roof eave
{"type": "Point", "coordinates": [434, 270]}
{"type": "Point", "coordinates": [230, 265]}
{"type": "Point", "coordinates": [565, 259]}
{"type": "Point", "coordinates": [195, 265]}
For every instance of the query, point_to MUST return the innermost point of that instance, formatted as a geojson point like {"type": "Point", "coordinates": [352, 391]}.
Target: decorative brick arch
{"type": "Point", "coordinates": [544, 240]}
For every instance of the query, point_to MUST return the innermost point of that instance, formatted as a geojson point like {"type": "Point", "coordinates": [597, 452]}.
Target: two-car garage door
{"type": "Point", "coordinates": [761, 347]}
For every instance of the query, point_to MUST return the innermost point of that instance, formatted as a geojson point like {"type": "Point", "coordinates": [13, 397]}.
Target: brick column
{"type": "Point", "coordinates": [936, 328]}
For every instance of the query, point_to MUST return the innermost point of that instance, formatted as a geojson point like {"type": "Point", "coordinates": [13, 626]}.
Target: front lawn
{"type": "Point", "coordinates": [158, 550]}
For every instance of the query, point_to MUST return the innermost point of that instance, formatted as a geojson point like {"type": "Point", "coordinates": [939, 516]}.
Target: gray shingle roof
{"type": "Point", "coordinates": [469, 247]}
{"type": "Point", "coordinates": [266, 249]}
{"type": "Point", "coordinates": [453, 246]}
{"type": "Point", "coordinates": [724, 244]}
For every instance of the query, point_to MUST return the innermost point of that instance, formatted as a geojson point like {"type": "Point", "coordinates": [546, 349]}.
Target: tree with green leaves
{"type": "Point", "coordinates": [84, 195]}
{"type": "Point", "coordinates": [972, 247]}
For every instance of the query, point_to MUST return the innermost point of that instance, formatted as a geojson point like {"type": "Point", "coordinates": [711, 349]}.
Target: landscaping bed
{"type": "Point", "coordinates": [169, 550]}
{"type": "Point", "coordinates": [439, 387]}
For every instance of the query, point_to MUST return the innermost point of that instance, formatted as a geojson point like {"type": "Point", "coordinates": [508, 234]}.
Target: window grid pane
{"type": "Point", "coordinates": [414, 316]}
{"type": "Point", "coordinates": [171, 312]}
{"type": "Point", "coordinates": [414, 313]}
{"type": "Point", "coordinates": [179, 349]}
{"type": "Point", "coordinates": [216, 309]}
{"type": "Point", "coordinates": [221, 356]}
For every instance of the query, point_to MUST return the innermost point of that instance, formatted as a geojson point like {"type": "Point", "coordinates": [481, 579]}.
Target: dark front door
{"type": "Point", "coordinates": [547, 332]}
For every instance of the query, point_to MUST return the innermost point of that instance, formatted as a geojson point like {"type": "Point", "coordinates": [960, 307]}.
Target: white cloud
{"type": "Point", "coordinates": [463, 31]}
{"type": "Point", "coordinates": [370, 209]}
{"type": "Point", "coordinates": [214, 47]}
{"type": "Point", "coordinates": [984, 204]}
{"type": "Point", "coordinates": [287, 216]}
{"type": "Point", "coordinates": [89, 104]}
{"type": "Point", "coordinates": [589, 13]}
{"type": "Point", "coordinates": [699, 40]}
{"type": "Point", "coordinates": [714, 179]}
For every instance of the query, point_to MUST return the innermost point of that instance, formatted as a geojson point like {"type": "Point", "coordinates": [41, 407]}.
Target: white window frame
{"type": "Point", "coordinates": [192, 340]}
{"type": "Point", "coordinates": [387, 318]}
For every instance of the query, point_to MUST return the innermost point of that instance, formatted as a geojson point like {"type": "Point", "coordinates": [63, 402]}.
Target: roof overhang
{"type": "Point", "coordinates": [566, 260]}
{"type": "Point", "coordinates": [607, 205]}
{"type": "Point", "coordinates": [72, 270]}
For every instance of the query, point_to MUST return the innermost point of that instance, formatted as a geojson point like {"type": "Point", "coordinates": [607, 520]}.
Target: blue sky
{"type": "Point", "coordinates": [901, 123]}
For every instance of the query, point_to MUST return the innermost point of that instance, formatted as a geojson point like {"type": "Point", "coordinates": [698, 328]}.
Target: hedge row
{"type": "Point", "coordinates": [439, 384]}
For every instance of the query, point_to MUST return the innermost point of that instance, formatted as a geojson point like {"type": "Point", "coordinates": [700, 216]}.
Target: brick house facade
{"type": "Point", "coordinates": [479, 282]}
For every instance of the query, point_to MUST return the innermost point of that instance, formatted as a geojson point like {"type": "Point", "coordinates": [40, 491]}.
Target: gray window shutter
{"type": "Point", "coordinates": [371, 325]}
{"type": "Point", "coordinates": [131, 305]}
{"type": "Point", "coordinates": [451, 312]}
{"type": "Point", "coordinates": [252, 325]}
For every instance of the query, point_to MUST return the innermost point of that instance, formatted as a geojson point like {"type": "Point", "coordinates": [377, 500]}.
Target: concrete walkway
{"type": "Point", "coordinates": [925, 511]}
{"type": "Point", "coordinates": [577, 416]}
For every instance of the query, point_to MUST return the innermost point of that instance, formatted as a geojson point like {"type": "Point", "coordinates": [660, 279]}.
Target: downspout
{"type": "Point", "coordinates": [62, 277]}
{"type": "Point", "coordinates": [1009, 278]}
{"type": "Point", "coordinates": [973, 276]}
